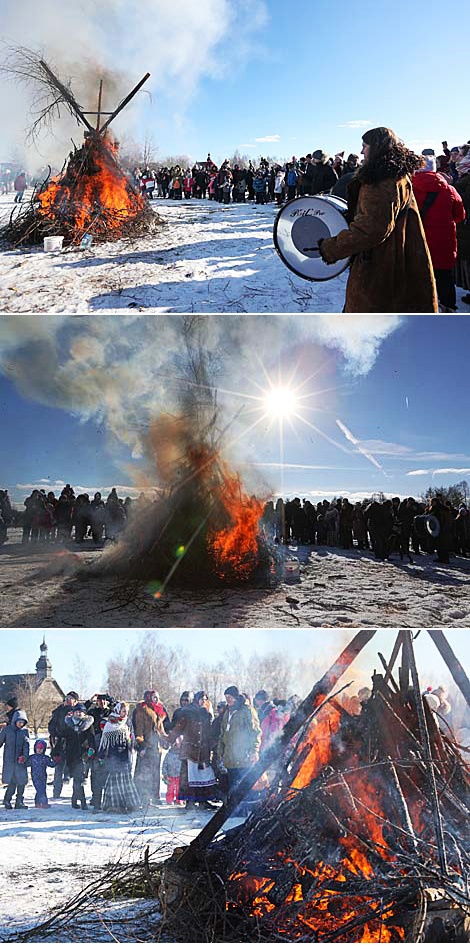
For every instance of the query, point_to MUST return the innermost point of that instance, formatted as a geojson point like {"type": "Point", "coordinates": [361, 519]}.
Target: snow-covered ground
{"type": "Point", "coordinates": [336, 588]}
{"type": "Point", "coordinates": [206, 258]}
{"type": "Point", "coordinates": [48, 856]}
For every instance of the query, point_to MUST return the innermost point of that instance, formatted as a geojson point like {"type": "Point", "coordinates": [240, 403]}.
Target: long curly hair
{"type": "Point", "coordinates": [388, 157]}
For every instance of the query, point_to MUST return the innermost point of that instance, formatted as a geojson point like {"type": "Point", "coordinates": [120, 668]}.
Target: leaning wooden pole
{"type": "Point", "coordinates": [427, 752]}
{"type": "Point", "coordinates": [66, 94]}
{"type": "Point", "coordinates": [310, 704]}
{"type": "Point", "coordinates": [98, 114]}
{"type": "Point", "coordinates": [124, 102]}
{"type": "Point", "coordinates": [455, 668]}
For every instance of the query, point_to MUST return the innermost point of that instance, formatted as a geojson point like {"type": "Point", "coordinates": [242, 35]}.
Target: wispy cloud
{"type": "Point", "coordinates": [379, 447]}
{"type": "Point", "coordinates": [356, 124]}
{"type": "Point", "coordinates": [269, 138]}
{"type": "Point", "coordinates": [247, 145]}
{"type": "Point", "coordinates": [438, 471]}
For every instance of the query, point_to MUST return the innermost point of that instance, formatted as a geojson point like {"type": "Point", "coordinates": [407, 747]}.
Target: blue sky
{"type": "Point", "coordinates": [260, 76]}
{"type": "Point", "coordinates": [77, 397]}
{"type": "Point", "coordinates": [20, 648]}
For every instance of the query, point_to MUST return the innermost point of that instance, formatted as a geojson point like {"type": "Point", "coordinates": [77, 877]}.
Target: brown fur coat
{"type": "Point", "coordinates": [391, 269]}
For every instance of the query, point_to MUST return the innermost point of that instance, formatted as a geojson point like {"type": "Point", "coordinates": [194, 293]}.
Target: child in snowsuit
{"type": "Point", "coordinates": [15, 737]}
{"type": "Point", "coordinates": [39, 763]}
{"type": "Point", "coordinates": [171, 771]}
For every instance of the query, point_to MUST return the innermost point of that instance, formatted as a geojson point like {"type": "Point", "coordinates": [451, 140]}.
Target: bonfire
{"type": "Point", "coordinates": [202, 527]}
{"type": "Point", "coordinates": [92, 199]}
{"type": "Point", "coordinates": [363, 836]}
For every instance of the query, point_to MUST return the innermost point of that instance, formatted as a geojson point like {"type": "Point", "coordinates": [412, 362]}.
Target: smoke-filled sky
{"type": "Point", "coordinates": [251, 75]}
{"type": "Point", "coordinates": [377, 402]}
{"type": "Point", "coordinates": [206, 646]}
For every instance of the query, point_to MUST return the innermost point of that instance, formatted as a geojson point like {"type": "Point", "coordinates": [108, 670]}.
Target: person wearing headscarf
{"type": "Point", "coordinates": [150, 721]}
{"type": "Point", "coordinates": [391, 269]}
{"type": "Point", "coordinates": [120, 793]}
{"type": "Point", "coordinates": [193, 730]}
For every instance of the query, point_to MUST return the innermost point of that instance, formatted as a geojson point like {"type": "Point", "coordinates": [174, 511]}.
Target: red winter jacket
{"type": "Point", "coordinates": [440, 220]}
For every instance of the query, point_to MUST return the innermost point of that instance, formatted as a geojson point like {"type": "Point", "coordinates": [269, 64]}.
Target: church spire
{"type": "Point", "coordinates": [43, 665]}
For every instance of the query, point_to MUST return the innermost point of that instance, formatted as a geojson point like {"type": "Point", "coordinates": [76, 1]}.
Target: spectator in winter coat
{"type": "Point", "coordinates": [57, 733]}
{"type": "Point", "coordinates": [20, 187]}
{"type": "Point", "coordinates": [380, 523]}
{"type": "Point", "coordinates": [171, 770]}
{"type": "Point", "coordinates": [11, 707]}
{"type": "Point", "coordinates": [291, 181]}
{"type": "Point", "coordinates": [462, 185]}
{"type": "Point", "coordinates": [193, 733]}
{"type": "Point", "coordinates": [80, 748]}
{"type": "Point", "coordinates": [324, 176]}
{"type": "Point", "coordinates": [240, 737]}
{"type": "Point", "coordinates": [150, 721]}
{"type": "Point", "coordinates": [441, 209]}
{"type": "Point", "coordinates": [15, 737]}
{"type": "Point", "coordinates": [360, 526]}
{"type": "Point", "coordinates": [39, 762]}
{"type": "Point", "coordinates": [99, 707]}
{"type": "Point", "coordinates": [391, 270]}
{"type": "Point", "coordinates": [443, 512]}
{"type": "Point", "coordinates": [262, 704]}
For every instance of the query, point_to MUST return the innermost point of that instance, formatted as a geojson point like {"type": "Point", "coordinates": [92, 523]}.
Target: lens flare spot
{"type": "Point", "coordinates": [154, 589]}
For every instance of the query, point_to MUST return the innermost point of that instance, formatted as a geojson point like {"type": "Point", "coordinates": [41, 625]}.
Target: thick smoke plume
{"type": "Point", "coordinates": [125, 372]}
{"type": "Point", "coordinates": [178, 44]}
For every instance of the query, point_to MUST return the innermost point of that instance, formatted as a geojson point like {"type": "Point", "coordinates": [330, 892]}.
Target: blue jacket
{"type": "Point", "coordinates": [16, 741]}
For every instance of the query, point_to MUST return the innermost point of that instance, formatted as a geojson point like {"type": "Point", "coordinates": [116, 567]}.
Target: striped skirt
{"type": "Point", "coordinates": [120, 792]}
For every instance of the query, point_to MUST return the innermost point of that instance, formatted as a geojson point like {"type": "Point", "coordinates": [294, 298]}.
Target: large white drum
{"type": "Point", "coordinates": [298, 227]}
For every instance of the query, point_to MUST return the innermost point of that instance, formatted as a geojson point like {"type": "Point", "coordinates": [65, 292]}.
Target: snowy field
{"type": "Point", "coordinates": [335, 588]}
{"type": "Point", "coordinates": [207, 258]}
{"type": "Point", "coordinates": [47, 857]}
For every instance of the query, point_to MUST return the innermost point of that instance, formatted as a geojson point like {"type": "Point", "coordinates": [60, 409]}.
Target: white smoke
{"type": "Point", "coordinates": [179, 44]}
{"type": "Point", "coordinates": [122, 371]}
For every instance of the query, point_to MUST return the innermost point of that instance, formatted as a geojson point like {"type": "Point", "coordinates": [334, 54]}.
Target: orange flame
{"type": "Point", "coordinates": [93, 195]}
{"type": "Point", "coordinates": [235, 547]}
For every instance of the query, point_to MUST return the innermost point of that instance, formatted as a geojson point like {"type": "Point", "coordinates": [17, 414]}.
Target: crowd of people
{"type": "Point", "coordinates": [408, 215]}
{"type": "Point", "coordinates": [385, 527]}
{"type": "Point", "coordinates": [200, 755]}
{"type": "Point", "coordinates": [390, 526]}
{"type": "Point", "coordinates": [50, 519]}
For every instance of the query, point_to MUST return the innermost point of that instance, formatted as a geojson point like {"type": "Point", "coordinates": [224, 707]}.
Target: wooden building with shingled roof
{"type": "Point", "coordinates": [38, 693]}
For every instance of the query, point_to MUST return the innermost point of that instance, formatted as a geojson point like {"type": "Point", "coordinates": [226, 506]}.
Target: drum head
{"type": "Point", "coordinates": [433, 525]}
{"type": "Point", "coordinates": [299, 225]}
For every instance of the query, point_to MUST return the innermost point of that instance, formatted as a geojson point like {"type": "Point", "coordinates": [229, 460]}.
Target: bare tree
{"type": "Point", "coordinates": [150, 665]}
{"type": "Point", "coordinates": [81, 676]}
{"type": "Point", "coordinates": [37, 707]}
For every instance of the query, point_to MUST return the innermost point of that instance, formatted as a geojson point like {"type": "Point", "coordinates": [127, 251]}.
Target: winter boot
{"type": "Point", "coordinates": [19, 806]}
{"type": "Point", "coordinates": [75, 805]}
{"type": "Point", "coordinates": [8, 805]}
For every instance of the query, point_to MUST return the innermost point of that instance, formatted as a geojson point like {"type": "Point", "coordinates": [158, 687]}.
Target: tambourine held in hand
{"type": "Point", "coordinates": [298, 227]}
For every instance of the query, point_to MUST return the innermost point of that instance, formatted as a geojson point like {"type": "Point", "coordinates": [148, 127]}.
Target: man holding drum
{"type": "Point", "coordinates": [391, 269]}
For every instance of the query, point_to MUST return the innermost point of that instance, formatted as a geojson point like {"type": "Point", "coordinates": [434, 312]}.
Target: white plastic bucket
{"type": "Point", "coordinates": [53, 243]}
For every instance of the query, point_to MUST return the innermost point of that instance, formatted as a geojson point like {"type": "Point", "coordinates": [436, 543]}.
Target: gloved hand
{"type": "Point", "coordinates": [57, 759]}
{"type": "Point", "coordinates": [21, 759]}
{"type": "Point", "coordinates": [320, 242]}
{"type": "Point", "coordinates": [90, 752]}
